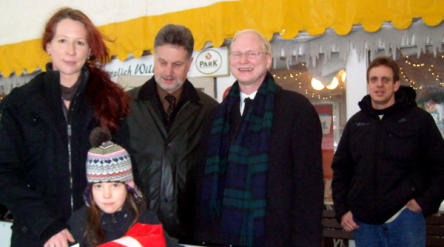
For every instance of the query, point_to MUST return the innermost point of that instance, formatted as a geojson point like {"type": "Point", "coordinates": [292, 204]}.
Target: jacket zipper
{"type": "Point", "coordinates": [378, 156]}
{"type": "Point", "coordinates": [69, 147]}
{"type": "Point", "coordinates": [169, 195]}
{"type": "Point", "coordinates": [69, 136]}
{"type": "Point", "coordinates": [69, 132]}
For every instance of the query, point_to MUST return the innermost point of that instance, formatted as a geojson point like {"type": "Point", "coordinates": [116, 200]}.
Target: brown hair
{"type": "Point", "coordinates": [94, 233]}
{"type": "Point", "coordinates": [108, 100]}
{"type": "Point", "coordinates": [175, 35]}
{"type": "Point", "coordinates": [385, 61]}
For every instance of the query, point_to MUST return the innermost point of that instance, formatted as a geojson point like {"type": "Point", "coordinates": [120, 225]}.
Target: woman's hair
{"type": "Point", "coordinates": [109, 101]}
{"type": "Point", "coordinates": [94, 233]}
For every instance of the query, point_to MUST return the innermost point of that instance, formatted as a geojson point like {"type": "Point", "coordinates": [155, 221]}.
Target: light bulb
{"type": "Point", "coordinates": [316, 84]}
{"type": "Point", "coordinates": [333, 84]}
{"type": "Point", "coordinates": [343, 75]}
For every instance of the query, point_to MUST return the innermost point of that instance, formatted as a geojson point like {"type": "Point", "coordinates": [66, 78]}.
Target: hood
{"type": "Point", "coordinates": [406, 94]}
{"type": "Point", "coordinates": [405, 97]}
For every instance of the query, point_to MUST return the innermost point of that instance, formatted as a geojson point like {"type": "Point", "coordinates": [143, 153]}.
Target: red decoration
{"type": "Point", "coordinates": [140, 235]}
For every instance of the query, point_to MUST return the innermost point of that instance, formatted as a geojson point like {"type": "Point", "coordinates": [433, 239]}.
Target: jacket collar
{"type": "Point", "coordinates": [404, 99]}
{"type": "Point", "coordinates": [148, 91]}
{"type": "Point", "coordinates": [119, 216]}
{"type": "Point", "coordinates": [53, 76]}
{"type": "Point", "coordinates": [53, 93]}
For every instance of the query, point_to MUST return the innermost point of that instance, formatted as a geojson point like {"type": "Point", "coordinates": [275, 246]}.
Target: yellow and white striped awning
{"type": "Point", "coordinates": [132, 25]}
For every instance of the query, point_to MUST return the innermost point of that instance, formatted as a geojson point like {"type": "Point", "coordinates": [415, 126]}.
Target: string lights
{"type": "Point", "coordinates": [423, 69]}
{"type": "Point", "coordinates": [420, 73]}
{"type": "Point", "coordinates": [301, 80]}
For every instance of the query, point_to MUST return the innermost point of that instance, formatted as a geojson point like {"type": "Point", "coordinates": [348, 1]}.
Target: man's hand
{"type": "Point", "coordinates": [347, 222]}
{"type": "Point", "coordinates": [414, 206]}
{"type": "Point", "coordinates": [60, 239]}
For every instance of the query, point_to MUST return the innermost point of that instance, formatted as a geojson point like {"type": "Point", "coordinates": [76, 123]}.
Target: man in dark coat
{"type": "Point", "coordinates": [162, 131]}
{"type": "Point", "coordinates": [260, 181]}
{"type": "Point", "coordinates": [388, 168]}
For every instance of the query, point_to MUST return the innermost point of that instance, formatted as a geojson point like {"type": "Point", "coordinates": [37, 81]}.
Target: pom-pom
{"type": "Point", "coordinates": [98, 136]}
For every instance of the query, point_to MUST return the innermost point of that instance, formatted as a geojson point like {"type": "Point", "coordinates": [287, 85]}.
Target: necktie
{"type": "Point", "coordinates": [248, 102]}
{"type": "Point", "coordinates": [172, 103]}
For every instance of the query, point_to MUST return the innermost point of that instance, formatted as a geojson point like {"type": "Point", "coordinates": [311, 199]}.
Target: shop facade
{"type": "Point", "coordinates": [319, 51]}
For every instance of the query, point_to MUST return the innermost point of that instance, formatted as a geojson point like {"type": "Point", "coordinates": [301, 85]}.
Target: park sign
{"type": "Point", "coordinates": [210, 62]}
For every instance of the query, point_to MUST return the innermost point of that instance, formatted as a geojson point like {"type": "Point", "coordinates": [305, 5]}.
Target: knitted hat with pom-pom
{"type": "Point", "coordinates": [107, 161]}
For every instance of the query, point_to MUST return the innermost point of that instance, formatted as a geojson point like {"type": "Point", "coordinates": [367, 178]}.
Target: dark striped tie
{"type": "Point", "coordinates": [172, 104]}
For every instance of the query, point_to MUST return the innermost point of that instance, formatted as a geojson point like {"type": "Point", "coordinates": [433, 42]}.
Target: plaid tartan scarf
{"type": "Point", "coordinates": [234, 184]}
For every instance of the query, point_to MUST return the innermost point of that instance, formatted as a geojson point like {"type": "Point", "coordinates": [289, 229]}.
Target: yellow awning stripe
{"type": "Point", "coordinates": [221, 20]}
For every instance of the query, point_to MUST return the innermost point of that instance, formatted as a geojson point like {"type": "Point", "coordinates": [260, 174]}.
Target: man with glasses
{"type": "Point", "coordinates": [261, 178]}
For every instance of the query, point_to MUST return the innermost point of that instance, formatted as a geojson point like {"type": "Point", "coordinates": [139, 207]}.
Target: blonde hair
{"type": "Point", "coordinates": [265, 42]}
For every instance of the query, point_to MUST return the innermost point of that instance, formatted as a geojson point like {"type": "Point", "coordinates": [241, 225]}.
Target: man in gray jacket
{"type": "Point", "coordinates": [162, 131]}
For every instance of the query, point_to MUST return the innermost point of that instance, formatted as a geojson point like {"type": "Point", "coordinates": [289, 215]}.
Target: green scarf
{"type": "Point", "coordinates": [234, 184]}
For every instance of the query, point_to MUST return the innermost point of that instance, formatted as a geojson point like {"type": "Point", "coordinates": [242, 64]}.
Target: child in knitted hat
{"type": "Point", "coordinates": [115, 213]}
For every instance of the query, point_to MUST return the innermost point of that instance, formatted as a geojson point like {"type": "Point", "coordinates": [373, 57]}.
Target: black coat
{"type": "Point", "coordinates": [381, 164]}
{"type": "Point", "coordinates": [163, 158]}
{"type": "Point", "coordinates": [294, 191]}
{"type": "Point", "coordinates": [115, 225]}
{"type": "Point", "coordinates": [35, 173]}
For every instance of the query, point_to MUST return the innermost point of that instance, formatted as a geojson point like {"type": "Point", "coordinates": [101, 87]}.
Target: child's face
{"type": "Point", "coordinates": [109, 196]}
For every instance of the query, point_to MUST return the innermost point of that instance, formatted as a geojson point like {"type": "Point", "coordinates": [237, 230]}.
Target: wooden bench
{"type": "Point", "coordinates": [435, 230]}
{"type": "Point", "coordinates": [335, 236]}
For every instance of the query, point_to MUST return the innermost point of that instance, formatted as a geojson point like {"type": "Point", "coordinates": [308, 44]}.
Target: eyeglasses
{"type": "Point", "coordinates": [250, 55]}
